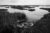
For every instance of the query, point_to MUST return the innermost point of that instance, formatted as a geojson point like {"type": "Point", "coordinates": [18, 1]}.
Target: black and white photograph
{"type": "Point", "coordinates": [24, 16]}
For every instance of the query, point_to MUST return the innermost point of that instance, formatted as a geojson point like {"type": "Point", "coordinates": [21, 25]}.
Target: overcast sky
{"type": "Point", "coordinates": [25, 2]}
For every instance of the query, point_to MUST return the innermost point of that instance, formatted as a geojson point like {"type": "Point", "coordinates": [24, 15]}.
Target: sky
{"type": "Point", "coordinates": [24, 2]}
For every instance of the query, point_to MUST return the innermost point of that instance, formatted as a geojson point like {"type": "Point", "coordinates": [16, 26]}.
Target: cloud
{"type": "Point", "coordinates": [27, 2]}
